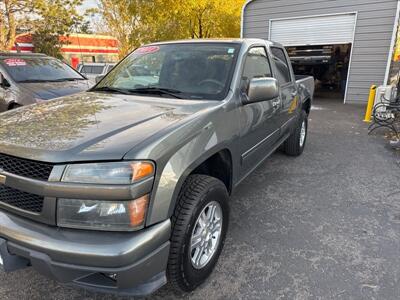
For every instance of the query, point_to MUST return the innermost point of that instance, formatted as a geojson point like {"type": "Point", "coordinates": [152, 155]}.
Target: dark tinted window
{"type": "Point", "coordinates": [97, 69]}
{"type": "Point", "coordinates": [38, 69]}
{"type": "Point", "coordinates": [282, 66]}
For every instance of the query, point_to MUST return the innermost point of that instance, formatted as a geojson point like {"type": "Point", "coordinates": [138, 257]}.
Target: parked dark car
{"type": "Point", "coordinates": [126, 186]}
{"type": "Point", "coordinates": [27, 78]}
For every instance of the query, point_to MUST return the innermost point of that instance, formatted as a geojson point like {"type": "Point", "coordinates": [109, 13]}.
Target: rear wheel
{"type": "Point", "coordinates": [295, 144]}
{"type": "Point", "coordinates": [199, 227]}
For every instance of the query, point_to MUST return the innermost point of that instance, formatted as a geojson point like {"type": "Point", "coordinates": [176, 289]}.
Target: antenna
{"type": "Point", "coordinates": [17, 47]}
{"type": "Point", "coordinates": [80, 51]}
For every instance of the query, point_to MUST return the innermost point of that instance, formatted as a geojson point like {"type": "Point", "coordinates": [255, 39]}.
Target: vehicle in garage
{"type": "Point", "coordinates": [28, 78]}
{"type": "Point", "coordinates": [125, 186]}
{"type": "Point", "coordinates": [361, 34]}
{"type": "Point", "coordinates": [328, 64]}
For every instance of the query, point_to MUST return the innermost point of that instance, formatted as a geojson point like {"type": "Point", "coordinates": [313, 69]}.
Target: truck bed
{"type": "Point", "coordinates": [307, 82]}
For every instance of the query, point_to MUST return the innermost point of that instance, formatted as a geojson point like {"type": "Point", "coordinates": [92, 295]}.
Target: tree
{"type": "Point", "coordinates": [207, 19]}
{"type": "Point", "coordinates": [14, 14]}
{"type": "Point", "coordinates": [136, 22]}
{"type": "Point", "coordinates": [46, 19]}
{"type": "Point", "coordinates": [124, 18]}
{"type": "Point", "coordinates": [84, 27]}
{"type": "Point", "coordinates": [57, 18]}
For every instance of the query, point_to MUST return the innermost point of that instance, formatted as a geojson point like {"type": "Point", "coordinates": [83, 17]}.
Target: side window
{"type": "Point", "coordinates": [282, 65]}
{"type": "Point", "coordinates": [256, 66]}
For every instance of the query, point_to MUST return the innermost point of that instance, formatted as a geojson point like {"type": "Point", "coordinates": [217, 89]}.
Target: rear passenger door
{"type": "Point", "coordinates": [259, 131]}
{"type": "Point", "coordinates": [284, 74]}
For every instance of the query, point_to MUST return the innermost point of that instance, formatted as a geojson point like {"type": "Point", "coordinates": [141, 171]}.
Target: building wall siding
{"type": "Point", "coordinates": [373, 34]}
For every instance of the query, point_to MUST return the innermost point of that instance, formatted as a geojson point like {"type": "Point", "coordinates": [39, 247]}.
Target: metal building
{"type": "Point", "coordinates": [366, 28]}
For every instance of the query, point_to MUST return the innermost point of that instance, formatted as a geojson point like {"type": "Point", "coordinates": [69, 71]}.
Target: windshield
{"type": "Point", "coordinates": [189, 71]}
{"type": "Point", "coordinates": [38, 69]}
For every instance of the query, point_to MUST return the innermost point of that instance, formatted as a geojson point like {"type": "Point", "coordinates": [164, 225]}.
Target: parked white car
{"type": "Point", "coordinates": [93, 70]}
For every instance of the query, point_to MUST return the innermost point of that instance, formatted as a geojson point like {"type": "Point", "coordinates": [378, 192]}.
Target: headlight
{"type": "Point", "coordinates": [102, 215]}
{"type": "Point", "coordinates": [108, 173]}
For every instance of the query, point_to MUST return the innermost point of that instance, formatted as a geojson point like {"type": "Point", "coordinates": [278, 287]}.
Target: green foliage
{"type": "Point", "coordinates": [136, 22]}
{"type": "Point", "coordinates": [47, 19]}
{"type": "Point", "coordinates": [14, 15]}
{"type": "Point", "coordinates": [84, 27]}
{"type": "Point", "coordinates": [48, 43]}
{"type": "Point", "coordinates": [57, 19]}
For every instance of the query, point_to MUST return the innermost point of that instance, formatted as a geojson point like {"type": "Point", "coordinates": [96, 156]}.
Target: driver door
{"type": "Point", "coordinates": [259, 131]}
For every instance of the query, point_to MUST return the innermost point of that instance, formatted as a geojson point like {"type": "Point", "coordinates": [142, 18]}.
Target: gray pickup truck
{"type": "Point", "coordinates": [125, 187]}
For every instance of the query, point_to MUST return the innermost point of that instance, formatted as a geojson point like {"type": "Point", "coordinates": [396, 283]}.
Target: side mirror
{"type": "Point", "coordinates": [4, 82]}
{"type": "Point", "coordinates": [99, 78]}
{"type": "Point", "coordinates": [262, 89]}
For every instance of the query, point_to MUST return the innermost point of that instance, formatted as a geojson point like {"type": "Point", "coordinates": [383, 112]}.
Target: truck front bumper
{"type": "Point", "coordinates": [130, 264]}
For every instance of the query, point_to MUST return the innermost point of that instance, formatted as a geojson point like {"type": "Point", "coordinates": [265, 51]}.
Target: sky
{"type": "Point", "coordinates": [88, 4]}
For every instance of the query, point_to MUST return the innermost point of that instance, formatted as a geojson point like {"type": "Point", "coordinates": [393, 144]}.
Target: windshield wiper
{"type": "Point", "coordinates": [65, 79]}
{"type": "Point", "coordinates": [32, 81]}
{"type": "Point", "coordinates": [158, 91]}
{"type": "Point", "coordinates": [111, 90]}
{"type": "Point", "coordinates": [49, 80]}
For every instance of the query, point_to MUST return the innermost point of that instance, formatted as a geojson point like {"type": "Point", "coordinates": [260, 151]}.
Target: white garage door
{"type": "Point", "coordinates": [316, 30]}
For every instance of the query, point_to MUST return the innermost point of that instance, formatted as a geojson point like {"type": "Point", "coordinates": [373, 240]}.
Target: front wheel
{"type": "Point", "coordinates": [199, 227]}
{"type": "Point", "coordinates": [295, 144]}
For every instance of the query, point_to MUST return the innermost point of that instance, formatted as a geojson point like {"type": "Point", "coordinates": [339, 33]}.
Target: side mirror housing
{"type": "Point", "coordinates": [262, 89]}
{"type": "Point", "coordinates": [4, 82]}
{"type": "Point", "coordinates": [99, 78]}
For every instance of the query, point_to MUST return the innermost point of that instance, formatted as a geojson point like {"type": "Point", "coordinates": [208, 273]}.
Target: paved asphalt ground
{"type": "Point", "coordinates": [322, 226]}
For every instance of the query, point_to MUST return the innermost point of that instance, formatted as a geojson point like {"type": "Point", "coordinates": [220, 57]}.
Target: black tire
{"type": "Point", "coordinates": [197, 192]}
{"type": "Point", "coordinates": [292, 145]}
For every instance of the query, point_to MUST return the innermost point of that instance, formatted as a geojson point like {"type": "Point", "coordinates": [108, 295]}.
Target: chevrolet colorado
{"type": "Point", "coordinates": [126, 186]}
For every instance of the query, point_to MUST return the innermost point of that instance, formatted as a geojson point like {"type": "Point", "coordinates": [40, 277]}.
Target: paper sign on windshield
{"type": "Point", "coordinates": [15, 62]}
{"type": "Point", "coordinates": [146, 50]}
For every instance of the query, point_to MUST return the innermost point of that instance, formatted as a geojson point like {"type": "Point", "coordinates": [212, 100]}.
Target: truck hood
{"type": "Point", "coordinates": [51, 90]}
{"type": "Point", "coordinates": [90, 126]}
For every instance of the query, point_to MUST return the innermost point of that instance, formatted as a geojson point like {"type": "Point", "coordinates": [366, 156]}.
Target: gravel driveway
{"type": "Point", "coordinates": [322, 226]}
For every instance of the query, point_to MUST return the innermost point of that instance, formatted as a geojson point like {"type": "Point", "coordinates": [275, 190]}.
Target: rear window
{"type": "Point", "coordinates": [38, 69]}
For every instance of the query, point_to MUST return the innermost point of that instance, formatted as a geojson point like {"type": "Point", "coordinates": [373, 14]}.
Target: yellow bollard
{"type": "Point", "coordinates": [370, 106]}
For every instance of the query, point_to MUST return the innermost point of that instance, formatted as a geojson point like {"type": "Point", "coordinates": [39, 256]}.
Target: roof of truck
{"type": "Point", "coordinates": [222, 40]}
